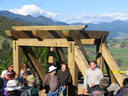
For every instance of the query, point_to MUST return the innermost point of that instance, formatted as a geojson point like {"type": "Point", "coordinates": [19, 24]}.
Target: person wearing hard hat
{"type": "Point", "coordinates": [51, 82]}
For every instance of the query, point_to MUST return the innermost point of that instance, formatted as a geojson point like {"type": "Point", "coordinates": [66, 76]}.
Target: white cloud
{"type": "Point", "coordinates": [95, 18]}
{"type": "Point", "coordinates": [34, 11]}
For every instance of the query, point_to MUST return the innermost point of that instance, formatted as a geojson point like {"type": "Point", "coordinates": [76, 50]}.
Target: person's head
{"type": "Point", "coordinates": [52, 69]}
{"type": "Point", "coordinates": [30, 79]}
{"type": "Point", "coordinates": [12, 85]}
{"type": "Point", "coordinates": [97, 93]}
{"type": "Point", "coordinates": [26, 73]}
{"type": "Point", "coordinates": [63, 67]}
{"type": "Point", "coordinates": [24, 66]}
{"type": "Point", "coordinates": [124, 92]}
{"type": "Point", "coordinates": [104, 83]}
{"type": "Point", "coordinates": [125, 82]}
{"type": "Point", "coordinates": [10, 68]}
{"type": "Point", "coordinates": [93, 64]}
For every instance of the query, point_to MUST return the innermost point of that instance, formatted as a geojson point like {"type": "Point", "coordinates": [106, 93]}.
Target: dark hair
{"type": "Point", "coordinates": [63, 64]}
{"type": "Point", "coordinates": [93, 61]}
{"type": "Point", "coordinates": [27, 72]}
{"type": "Point", "coordinates": [104, 83]}
{"type": "Point", "coordinates": [125, 82]}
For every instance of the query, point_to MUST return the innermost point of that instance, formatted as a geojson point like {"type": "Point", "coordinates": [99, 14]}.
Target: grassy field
{"type": "Point", "coordinates": [122, 54]}
{"type": "Point", "coordinates": [117, 53]}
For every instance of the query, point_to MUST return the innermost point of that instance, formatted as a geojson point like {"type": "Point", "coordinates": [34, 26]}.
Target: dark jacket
{"type": "Point", "coordinates": [51, 82]}
{"type": "Point", "coordinates": [122, 92]}
{"type": "Point", "coordinates": [64, 77]}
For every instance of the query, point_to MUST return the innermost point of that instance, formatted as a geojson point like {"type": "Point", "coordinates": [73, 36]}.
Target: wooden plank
{"type": "Point", "coordinates": [31, 28]}
{"type": "Point", "coordinates": [45, 42]}
{"type": "Point", "coordinates": [99, 57]}
{"type": "Point", "coordinates": [88, 41]}
{"type": "Point", "coordinates": [80, 60]}
{"type": "Point", "coordinates": [87, 34]}
{"type": "Point", "coordinates": [73, 69]}
{"type": "Point", "coordinates": [17, 56]}
{"type": "Point", "coordinates": [110, 74]}
{"type": "Point", "coordinates": [112, 64]}
{"type": "Point", "coordinates": [71, 62]}
{"type": "Point", "coordinates": [31, 56]}
{"type": "Point", "coordinates": [96, 34]}
{"type": "Point", "coordinates": [45, 34]}
{"type": "Point", "coordinates": [81, 47]}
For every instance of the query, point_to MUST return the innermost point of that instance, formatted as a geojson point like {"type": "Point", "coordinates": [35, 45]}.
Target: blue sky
{"type": "Point", "coordinates": [70, 10]}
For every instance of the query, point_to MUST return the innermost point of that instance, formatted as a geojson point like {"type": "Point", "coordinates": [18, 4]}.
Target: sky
{"type": "Point", "coordinates": [70, 11]}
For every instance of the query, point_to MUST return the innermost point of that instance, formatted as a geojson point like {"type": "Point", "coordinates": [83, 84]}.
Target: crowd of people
{"type": "Point", "coordinates": [12, 84]}
{"type": "Point", "coordinates": [57, 81]}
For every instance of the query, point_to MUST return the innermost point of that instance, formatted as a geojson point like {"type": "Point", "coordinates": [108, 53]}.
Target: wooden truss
{"type": "Point", "coordinates": [72, 37]}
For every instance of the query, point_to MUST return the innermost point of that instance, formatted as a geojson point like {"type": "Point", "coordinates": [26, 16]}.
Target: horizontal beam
{"type": "Point", "coordinates": [31, 28]}
{"type": "Point", "coordinates": [73, 34]}
{"type": "Point", "coordinates": [88, 41]}
{"type": "Point", "coordinates": [45, 42]}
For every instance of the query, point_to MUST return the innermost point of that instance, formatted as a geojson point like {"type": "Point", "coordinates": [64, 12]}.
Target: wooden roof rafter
{"type": "Point", "coordinates": [52, 32]}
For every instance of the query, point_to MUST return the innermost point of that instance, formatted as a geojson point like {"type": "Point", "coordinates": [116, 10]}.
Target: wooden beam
{"type": "Point", "coordinates": [110, 74]}
{"type": "Point", "coordinates": [31, 28]}
{"type": "Point", "coordinates": [81, 47]}
{"type": "Point", "coordinates": [45, 42]}
{"type": "Point", "coordinates": [88, 41]}
{"type": "Point", "coordinates": [46, 34]}
{"type": "Point", "coordinates": [71, 62]}
{"type": "Point", "coordinates": [99, 57]}
{"type": "Point", "coordinates": [61, 52]}
{"type": "Point", "coordinates": [51, 58]}
{"type": "Point", "coordinates": [87, 34]}
{"type": "Point", "coordinates": [112, 64]}
{"type": "Point", "coordinates": [72, 66]}
{"type": "Point", "coordinates": [31, 56]}
{"type": "Point", "coordinates": [80, 60]}
{"type": "Point", "coordinates": [17, 56]}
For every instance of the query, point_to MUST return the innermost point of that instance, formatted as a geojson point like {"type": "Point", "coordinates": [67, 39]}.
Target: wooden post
{"type": "Point", "coordinates": [99, 57]}
{"type": "Point", "coordinates": [17, 56]}
{"type": "Point", "coordinates": [51, 58]}
{"type": "Point", "coordinates": [73, 69]}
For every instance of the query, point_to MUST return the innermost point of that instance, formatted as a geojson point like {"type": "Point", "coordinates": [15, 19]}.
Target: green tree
{"type": "Point", "coordinates": [5, 45]}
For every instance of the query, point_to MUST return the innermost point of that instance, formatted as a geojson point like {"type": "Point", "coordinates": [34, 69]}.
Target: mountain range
{"type": "Point", "coordinates": [116, 28]}
{"type": "Point", "coordinates": [30, 20]}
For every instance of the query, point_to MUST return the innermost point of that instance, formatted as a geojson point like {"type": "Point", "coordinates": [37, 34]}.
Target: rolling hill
{"type": "Point", "coordinates": [29, 20]}
{"type": "Point", "coordinates": [5, 24]}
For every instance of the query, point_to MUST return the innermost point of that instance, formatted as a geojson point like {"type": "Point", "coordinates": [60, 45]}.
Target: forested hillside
{"type": "Point", "coordinates": [5, 43]}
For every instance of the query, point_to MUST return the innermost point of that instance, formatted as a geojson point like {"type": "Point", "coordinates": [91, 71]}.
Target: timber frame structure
{"type": "Point", "coordinates": [72, 37]}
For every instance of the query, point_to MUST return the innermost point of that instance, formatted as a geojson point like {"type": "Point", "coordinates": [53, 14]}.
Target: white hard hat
{"type": "Point", "coordinates": [52, 68]}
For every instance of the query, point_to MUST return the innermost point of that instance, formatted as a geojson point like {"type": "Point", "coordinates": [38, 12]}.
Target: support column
{"type": "Point", "coordinates": [73, 69]}
{"type": "Point", "coordinates": [51, 58]}
{"type": "Point", "coordinates": [17, 56]}
{"type": "Point", "coordinates": [99, 57]}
